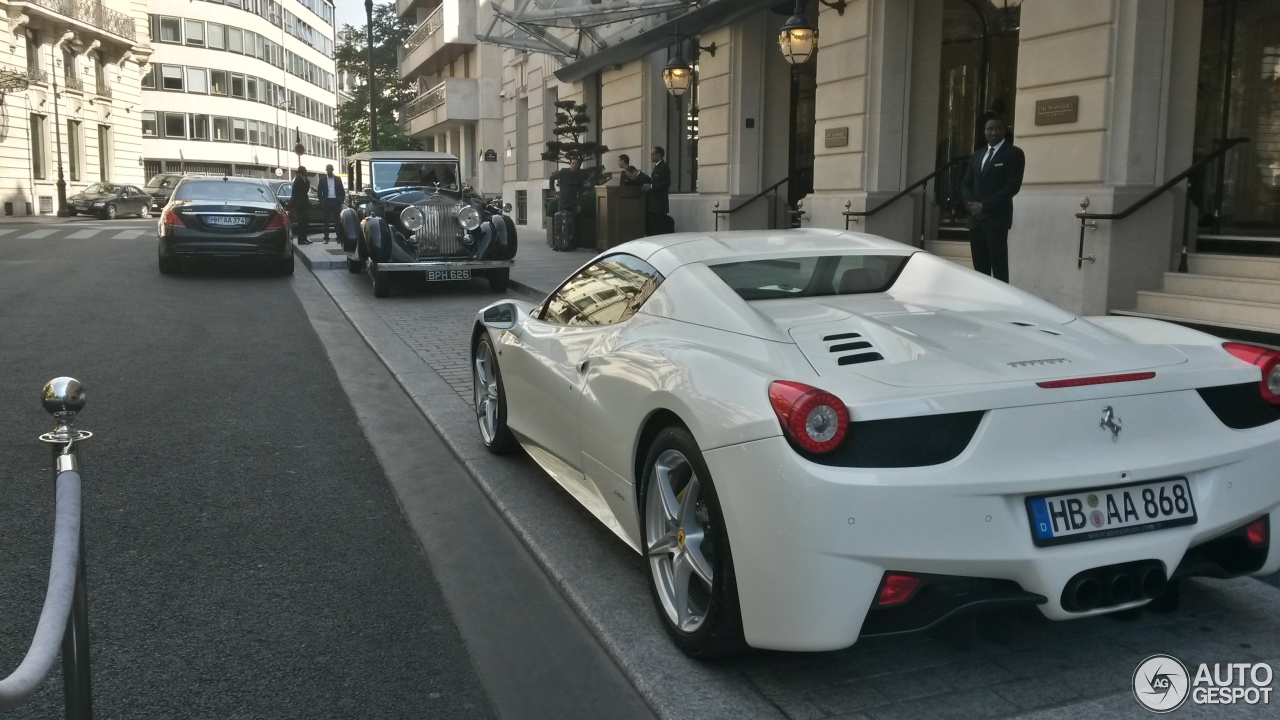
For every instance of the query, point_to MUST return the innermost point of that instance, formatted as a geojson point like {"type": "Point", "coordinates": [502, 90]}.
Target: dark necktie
{"type": "Point", "coordinates": [986, 161]}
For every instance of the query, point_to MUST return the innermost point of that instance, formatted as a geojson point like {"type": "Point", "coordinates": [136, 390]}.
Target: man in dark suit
{"type": "Point", "coordinates": [300, 205]}
{"type": "Point", "coordinates": [657, 205]}
{"type": "Point", "coordinates": [992, 178]}
{"type": "Point", "coordinates": [331, 195]}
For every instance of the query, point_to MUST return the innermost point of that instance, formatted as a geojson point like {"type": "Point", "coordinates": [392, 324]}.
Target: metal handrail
{"type": "Point", "coordinates": [853, 215]}
{"type": "Point", "coordinates": [1089, 220]}
{"type": "Point", "coordinates": [420, 34]}
{"type": "Point", "coordinates": [64, 620]}
{"type": "Point", "coordinates": [426, 102]}
{"type": "Point", "coordinates": [95, 14]}
{"type": "Point", "coordinates": [771, 189]}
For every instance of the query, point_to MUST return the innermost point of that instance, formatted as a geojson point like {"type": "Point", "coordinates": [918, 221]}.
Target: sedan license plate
{"type": "Point", "coordinates": [227, 220]}
{"type": "Point", "coordinates": [433, 275]}
{"type": "Point", "coordinates": [1110, 512]}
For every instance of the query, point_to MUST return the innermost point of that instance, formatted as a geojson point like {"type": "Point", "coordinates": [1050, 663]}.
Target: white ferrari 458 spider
{"type": "Point", "coordinates": [814, 436]}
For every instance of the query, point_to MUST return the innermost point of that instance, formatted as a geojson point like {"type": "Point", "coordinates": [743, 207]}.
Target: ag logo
{"type": "Point", "coordinates": [1161, 683]}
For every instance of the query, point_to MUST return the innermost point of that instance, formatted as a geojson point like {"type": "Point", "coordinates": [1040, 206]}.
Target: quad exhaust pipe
{"type": "Point", "coordinates": [1114, 585]}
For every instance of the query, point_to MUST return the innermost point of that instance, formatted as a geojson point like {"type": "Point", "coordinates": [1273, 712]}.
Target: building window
{"type": "Point", "coordinates": [235, 41]}
{"type": "Point", "coordinates": [170, 30]}
{"type": "Point", "coordinates": [149, 77]}
{"type": "Point", "coordinates": [75, 149]}
{"type": "Point", "coordinates": [218, 82]}
{"type": "Point", "coordinates": [221, 129]}
{"type": "Point", "coordinates": [171, 77]}
{"type": "Point", "coordinates": [69, 64]}
{"type": "Point", "coordinates": [104, 152]}
{"type": "Point", "coordinates": [253, 132]}
{"type": "Point", "coordinates": [33, 52]}
{"type": "Point", "coordinates": [238, 130]}
{"type": "Point", "coordinates": [237, 86]}
{"type": "Point", "coordinates": [251, 89]}
{"type": "Point", "coordinates": [197, 80]}
{"type": "Point", "coordinates": [99, 73]}
{"type": "Point", "coordinates": [37, 147]}
{"type": "Point", "coordinates": [149, 128]}
{"type": "Point", "coordinates": [217, 36]}
{"type": "Point", "coordinates": [199, 127]}
{"type": "Point", "coordinates": [195, 32]}
{"type": "Point", "coordinates": [175, 125]}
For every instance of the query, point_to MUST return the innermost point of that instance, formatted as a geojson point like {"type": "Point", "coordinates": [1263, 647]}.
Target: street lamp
{"type": "Point", "coordinates": [677, 76]}
{"type": "Point", "coordinates": [63, 211]}
{"type": "Point", "coordinates": [373, 105]}
{"type": "Point", "coordinates": [798, 38]}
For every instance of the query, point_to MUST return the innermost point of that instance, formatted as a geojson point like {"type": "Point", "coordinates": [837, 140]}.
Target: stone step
{"type": "Point", "coordinates": [1240, 266]}
{"type": "Point", "coordinates": [1198, 322]}
{"type": "Point", "coordinates": [1224, 288]}
{"type": "Point", "coordinates": [1211, 311]}
{"type": "Point", "coordinates": [949, 248]}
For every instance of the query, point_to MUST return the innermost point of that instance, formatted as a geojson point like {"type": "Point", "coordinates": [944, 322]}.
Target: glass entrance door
{"type": "Point", "coordinates": [979, 73]}
{"type": "Point", "coordinates": [1239, 96]}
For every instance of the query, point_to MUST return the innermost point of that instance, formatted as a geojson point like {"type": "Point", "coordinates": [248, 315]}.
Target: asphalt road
{"type": "Point", "coordinates": [246, 556]}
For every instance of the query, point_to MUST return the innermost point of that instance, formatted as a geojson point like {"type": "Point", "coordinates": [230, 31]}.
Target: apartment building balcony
{"type": "Point", "coordinates": [452, 102]}
{"type": "Point", "coordinates": [404, 7]}
{"type": "Point", "coordinates": [89, 18]}
{"type": "Point", "coordinates": [446, 34]}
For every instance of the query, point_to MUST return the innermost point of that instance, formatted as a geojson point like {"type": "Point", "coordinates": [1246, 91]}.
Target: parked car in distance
{"type": "Point", "coordinates": [109, 200]}
{"type": "Point", "coordinates": [409, 212]}
{"type": "Point", "coordinates": [284, 193]}
{"type": "Point", "coordinates": [813, 436]}
{"type": "Point", "coordinates": [224, 217]}
{"type": "Point", "coordinates": [160, 187]}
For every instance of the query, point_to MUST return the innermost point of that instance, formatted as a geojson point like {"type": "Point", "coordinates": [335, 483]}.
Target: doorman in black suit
{"type": "Point", "coordinates": [658, 221]}
{"type": "Point", "coordinates": [992, 178]}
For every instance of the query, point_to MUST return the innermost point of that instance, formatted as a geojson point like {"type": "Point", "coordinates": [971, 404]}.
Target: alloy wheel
{"type": "Point", "coordinates": [484, 383]}
{"type": "Point", "coordinates": [681, 555]}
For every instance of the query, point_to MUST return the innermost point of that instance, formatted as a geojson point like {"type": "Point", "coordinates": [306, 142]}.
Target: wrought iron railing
{"type": "Point", "coordinates": [424, 31]}
{"type": "Point", "coordinates": [74, 83]}
{"type": "Point", "coordinates": [36, 75]}
{"type": "Point", "coordinates": [426, 102]}
{"type": "Point", "coordinates": [95, 14]}
{"type": "Point", "coordinates": [104, 90]}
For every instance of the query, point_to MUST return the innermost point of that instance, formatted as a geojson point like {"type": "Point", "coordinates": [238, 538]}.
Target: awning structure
{"type": "Point", "coordinates": [603, 33]}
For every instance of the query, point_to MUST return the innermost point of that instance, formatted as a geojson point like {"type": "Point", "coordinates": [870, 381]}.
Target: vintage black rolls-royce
{"type": "Point", "coordinates": [409, 212]}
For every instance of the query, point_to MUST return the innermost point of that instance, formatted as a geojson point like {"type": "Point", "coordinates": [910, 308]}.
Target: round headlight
{"type": "Point", "coordinates": [469, 217]}
{"type": "Point", "coordinates": [412, 218]}
{"type": "Point", "coordinates": [506, 207]}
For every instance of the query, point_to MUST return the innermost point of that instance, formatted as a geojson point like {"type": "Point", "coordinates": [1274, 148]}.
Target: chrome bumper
{"type": "Point", "coordinates": [443, 265]}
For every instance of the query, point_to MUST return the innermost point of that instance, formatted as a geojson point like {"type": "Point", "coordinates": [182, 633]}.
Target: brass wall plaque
{"type": "Point", "coordinates": [1056, 111]}
{"type": "Point", "coordinates": [837, 137]}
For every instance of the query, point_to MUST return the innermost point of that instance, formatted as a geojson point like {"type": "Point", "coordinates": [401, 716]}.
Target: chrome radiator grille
{"type": "Point", "coordinates": [441, 233]}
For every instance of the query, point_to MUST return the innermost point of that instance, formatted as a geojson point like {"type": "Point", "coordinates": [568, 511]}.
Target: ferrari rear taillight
{"type": "Point", "coordinates": [1266, 359]}
{"type": "Point", "coordinates": [814, 419]}
{"type": "Point", "coordinates": [171, 218]}
{"type": "Point", "coordinates": [1258, 533]}
{"type": "Point", "coordinates": [896, 589]}
{"type": "Point", "coordinates": [276, 221]}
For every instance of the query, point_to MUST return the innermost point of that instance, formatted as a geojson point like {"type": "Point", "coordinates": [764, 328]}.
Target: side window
{"type": "Point", "coordinates": [608, 291]}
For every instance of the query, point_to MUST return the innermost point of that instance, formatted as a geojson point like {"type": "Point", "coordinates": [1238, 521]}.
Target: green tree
{"type": "Point", "coordinates": [351, 58]}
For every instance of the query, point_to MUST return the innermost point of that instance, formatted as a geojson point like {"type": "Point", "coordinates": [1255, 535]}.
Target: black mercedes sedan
{"type": "Point", "coordinates": [109, 200]}
{"type": "Point", "coordinates": [225, 217]}
{"type": "Point", "coordinates": [160, 187]}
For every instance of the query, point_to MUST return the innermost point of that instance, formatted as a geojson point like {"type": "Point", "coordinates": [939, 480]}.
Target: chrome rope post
{"type": "Point", "coordinates": [63, 398]}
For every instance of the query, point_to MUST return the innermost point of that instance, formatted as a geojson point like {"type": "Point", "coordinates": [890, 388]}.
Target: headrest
{"type": "Point", "coordinates": [861, 280]}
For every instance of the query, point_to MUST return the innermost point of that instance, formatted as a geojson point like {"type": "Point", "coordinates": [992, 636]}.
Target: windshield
{"type": "Point", "coordinates": [222, 190]}
{"type": "Point", "coordinates": [398, 173]}
{"type": "Point", "coordinates": [102, 189]}
{"type": "Point", "coordinates": [162, 181]}
{"type": "Point", "coordinates": [811, 276]}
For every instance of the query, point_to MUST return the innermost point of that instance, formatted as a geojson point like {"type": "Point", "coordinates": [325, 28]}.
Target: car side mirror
{"type": "Point", "coordinates": [500, 317]}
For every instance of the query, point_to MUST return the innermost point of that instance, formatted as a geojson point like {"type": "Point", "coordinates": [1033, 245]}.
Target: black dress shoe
{"type": "Point", "coordinates": [304, 242]}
